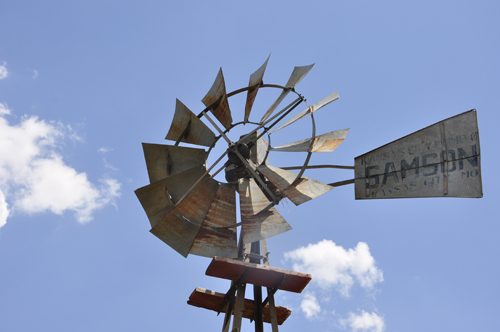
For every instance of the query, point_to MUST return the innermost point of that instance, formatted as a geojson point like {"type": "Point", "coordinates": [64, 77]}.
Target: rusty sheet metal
{"type": "Point", "coordinates": [255, 78]}
{"type": "Point", "coordinates": [221, 111]}
{"type": "Point", "coordinates": [323, 143]}
{"type": "Point", "coordinates": [257, 151]}
{"type": "Point", "coordinates": [441, 160]}
{"type": "Point", "coordinates": [211, 241]}
{"type": "Point", "coordinates": [179, 228]}
{"type": "Point", "coordinates": [252, 199]}
{"type": "Point", "coordinates": [207, 299]}
{"type": "Point", "coordinates": [155, 200]}
{"type": "Point", "coordinates": [197, 132]}
{"type": "Point", "coordinates": [263, 225]}
{"type": "Point", "coordinates": [180, 183]}
{"type": "Point", "coordinates": [298, 74]}
{"type": "Point", "coordinates": [165, 160]}
{"type": "Point", "coordinates": [260, 275]}
{"type": "Point", "coordinates": [299, 192]}
{"type": "Point", "coordinates": [323, 102]}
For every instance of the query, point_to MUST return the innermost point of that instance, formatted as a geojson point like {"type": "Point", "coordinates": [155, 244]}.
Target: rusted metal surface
{"type": "Point", "coordinates": [221, 110]}
{"type": "Point", "coordinates": [214, 241]}
{"type": "Point", "coordinates": [323, 143]}
{"type": "Point", "coordinates": [180, 227]}
{"type": "Point", "coordinates": [180, 183]}
{"type": "Point", "coordinates": [255, 78]}
{"type": "Point", "coordinates": [258, 150]}
{"type": "Point", "coordinates": [263, 225]}
{"type": "Point", "coordinates": [260, 275]}
{"type": "Point", "coordinates": [297, 75]}
{"type": "Point", "coordinates": [155, 200]}
{"type": "Point", "coordinates": [252, 199]}
{"type": "Point", "coordinates": [441, 160]}
{"type": "Point", "coordinates": [300, 191]}
{"type": "Point", "coordinates": [197, 132]}
{"type": "Point", "coordinates": [207, 299]}
{"type": "Point", "coordinates": [323, 102]}
{"type": "Point", "coordinates": [166, 160]}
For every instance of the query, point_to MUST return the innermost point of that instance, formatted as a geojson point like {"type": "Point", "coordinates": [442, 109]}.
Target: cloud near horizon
{"type": "Point", "coordinates": [34, 177]}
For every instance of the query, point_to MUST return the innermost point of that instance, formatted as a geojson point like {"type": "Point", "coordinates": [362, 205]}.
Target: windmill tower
{"type": "Point", "coordinates": [196, 214]}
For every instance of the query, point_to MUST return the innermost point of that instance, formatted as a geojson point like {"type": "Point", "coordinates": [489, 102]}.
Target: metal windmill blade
{"type": "Point", "coordinates": [297, 75]}
{"type": "Point", "coordinates": [254, 84]}
{"type": "Point", "coordinates": [216, 100]}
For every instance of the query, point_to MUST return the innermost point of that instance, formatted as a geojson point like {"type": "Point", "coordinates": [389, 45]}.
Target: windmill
{"type": "Point", "coordinates": [196, 214]}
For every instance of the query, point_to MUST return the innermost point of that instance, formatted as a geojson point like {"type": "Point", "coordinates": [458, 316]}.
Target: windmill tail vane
{"type": "Point", "coordinates": [196, 214]}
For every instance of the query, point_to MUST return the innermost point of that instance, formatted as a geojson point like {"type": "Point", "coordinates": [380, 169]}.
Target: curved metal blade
{"type": "Point", "coordinates": [299, 191]}
{"type": "Point", "coordinates": [177, 185]}
{"type": "Point", "coordinates": [213, 241]}
{"type": "Point", "coordinates": [166, 160]}
{"type": "Point", "coordinates": [187, 125]}
{"type": "Point", "coordinates": [323, 102]}
{"type": "Point", "coordinates": [252, 199]}
{"type": "Point", "coordinates": [297, 75]}
{"type": "Point", "coordinates": [255, 78]}
{"type": "Point", "coordinates": [323, 143]}
{"type": "Point", "coordinates": [179, 228]}
{"type": "Point", "coordinates": [263, 225]}
{"type": "Point", "coordinates": [221, 110]}
{"type": "Point", "coordinates": [155, 200]}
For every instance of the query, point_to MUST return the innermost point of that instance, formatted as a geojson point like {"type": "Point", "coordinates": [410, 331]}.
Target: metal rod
{"type": "Point", "coordinates": [341, 183]}
{"type": "Point", "coordinates": [257, 291]}
{"type": "Point", "coordinates": [317, 166]}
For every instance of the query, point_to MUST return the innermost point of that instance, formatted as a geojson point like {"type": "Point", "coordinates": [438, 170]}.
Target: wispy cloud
{"type": "Point", "coordinates": [365, 322]}
{"type": "Point", "coordinates": [3, 71]}
{"type": "Point", "coordinates": [310, 305]}
{"type": "Point", "coordinates": [334, 266]}
{"type": "Point", "coordinates": [34, 177]}
{"type": "Point", "coordinates": [35, 74]}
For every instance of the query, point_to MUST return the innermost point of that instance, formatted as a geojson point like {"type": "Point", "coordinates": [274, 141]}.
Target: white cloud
{"type": "Point", "coordinates": [333, 266]}
{"type": "Point", "coordinates": [4, 209]}
{"type": "Point", "coordinates": [35, 74]}
{"type": "Point", "coordinates": [365, 322]}
{"type": "Point", "coordinates": [3, 71]}
{"type": "Point", "coordinates": [35, 178]}
{"type": "Point", "coordinates": [310, 305]}
{"type": "Point", "coordinates": [4, 110]}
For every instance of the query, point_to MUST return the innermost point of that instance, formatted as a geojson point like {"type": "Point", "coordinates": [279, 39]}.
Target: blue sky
{"type": "Point", "coordinates": [82, 85]}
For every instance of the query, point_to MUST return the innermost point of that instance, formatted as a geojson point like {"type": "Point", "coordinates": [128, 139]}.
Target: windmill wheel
{"type": "Point", "coordinates": [193, 212]}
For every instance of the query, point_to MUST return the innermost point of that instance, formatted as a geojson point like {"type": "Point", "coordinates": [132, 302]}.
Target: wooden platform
{"type": "Point", "coordinates": [211, 300]}
{"type": "Point", "coordinates": [256, 274]}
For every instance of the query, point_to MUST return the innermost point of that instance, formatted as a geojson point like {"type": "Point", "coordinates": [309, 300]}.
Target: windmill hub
{"type": "Point", "coordinates": [235, 167]}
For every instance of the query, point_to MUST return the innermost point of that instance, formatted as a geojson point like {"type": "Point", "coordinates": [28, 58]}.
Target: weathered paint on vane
{"type": "Point", "coordinates": [197, 132]}
{"type": "Point", "coordinates": [263, 225]}
{"type": "Point", "coordinates": [179, 228]}
{"type": "Point", "coordinates": [221, 111]}
{"type": "Point", "coordinates": [155, 200]}
{"type": "Point", "coordinates": [323, 102]}
{"type": "Point", "coordinates": [166, 160]}
{"type": "Point", "coordinates": [323, 143]}
{"type": "Point", "coordinates": [252, 199]}
{"type": "Point", "coordinates": [255, 78]}
{"type": "Point", "coordinates": [298, 74]}
{"type": "Point", "coordinates": [207, 299]}
{"type": "Point", "coordinates": [180, 183]}
{"type": "Point", "coordinates": [301, 191]}
{"type": "Point", "coordinates": [212, 241]}
{"type": "Point", "coordinates": [441, 160]}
